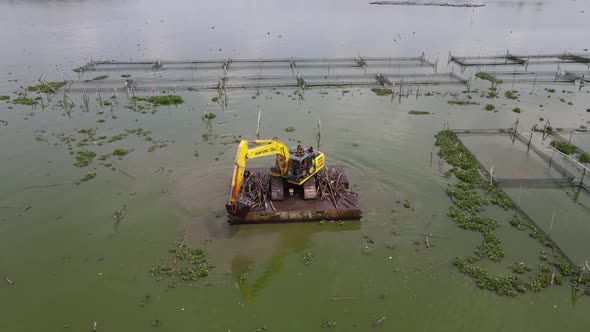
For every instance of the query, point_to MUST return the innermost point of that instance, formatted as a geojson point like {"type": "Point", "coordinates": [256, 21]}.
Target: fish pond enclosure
{"type": "Point", "coordinates": [503, 156]}
{"type": "Point", "coordinates": [119, 124]}
{"type": "Point", "coordinates": [264, 73]}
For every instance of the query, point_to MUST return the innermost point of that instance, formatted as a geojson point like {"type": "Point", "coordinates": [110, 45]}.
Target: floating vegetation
{"type": "Point", "coordinates": [487, 77]}
{"type": "Point", "coordinates": [467, 199]}
{"type": "Point", "coordinates": [125, 75]}
{"type": "Point", "coordinates": [369, 245]}
{"type": "Point", "coordinates": [407, 204]}
{"type": "Point", "coordinates": [563, 147]}
{"type": "Point", "coordinates": [551, 90]}
{"type": "Point", "coordinates": [511, 94]}
{"type": "Point", "coordinates": [382, 92]}
{"type": "Point", "coordinates": [462, 102]}
{"type": "Point", "coordinates": [584, 158]}
{"type": "Point", "coordinates": [140, 132]}
{"type": "Point", "coordinates": [502, 285]}
{"type": "Point", "coordinates": [188, 264]}
{"type": "Point", "coordinates": [49, 87]}
{"type": "Point", "coordinates": [516, 110]}
{"type": "Point", "coordinates": [520, 268]}
{"type": "Point", "coordinates": [3, 98]}
{"type": "Point", "coordinates": [290, 129]}
{"type": "Point", "coordinates": [120, 152]}
{"type": "Point", "coordinates": [307, 258]}
{"type": "Point", "coordinates": [490, 107]}
{"type": "Point", "coordinates": [518, 223]}
{"type": "Point", "coordinates": [191, 88]}
{"type": "Point", "coordinates": [118, 215]}
{"type": "Point", "coordinates": [84, 158]}
{"type": "Point", "coordinates": [414, 112]}
{"type": "Point", "coordinates": [100, 78]}
{"type": "Point", "coordinates": [107, 103]}
{"type": "Point", "coordinates": [209, 116]}
{"type": "Point", "coordinates": [100, 120]}
{"type": "Point", "coordinates": [23, 100]}
{"type": "Point", "coordinates": [166, 100]}
{"type": "Point", "coordinates": [86, 178]}
{"type": "Point", "coordinates": [565, 268]}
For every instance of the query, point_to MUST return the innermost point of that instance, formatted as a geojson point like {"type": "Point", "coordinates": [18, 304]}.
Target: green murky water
{"type": "Point", "coordinates": [71, 268]}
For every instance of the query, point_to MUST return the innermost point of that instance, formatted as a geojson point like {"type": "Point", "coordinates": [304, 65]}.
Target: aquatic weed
{"type": "Point", "coordinates": [50, 87]}
{"type": "Point", "coordinates": [382, 92]}
{"type": "Point", "coordinates": [563, 147]}
{"type": "Point", "coordinates": [100, 78]}
{"type": "Point", "coordinates": [84, 158]}
{"type": "Point", "coordinates": [414, 112]}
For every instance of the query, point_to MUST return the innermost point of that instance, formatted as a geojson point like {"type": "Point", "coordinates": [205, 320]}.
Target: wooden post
{"type": "Point", "coordinates": [258, 125]}
{"type": "Point", "coordinates": [570, 139]}
{"type": "Point", "coordinates": [318, 135]}
{"type": "Point", "coordinates": [492, 175]}
{"type": "Point", "coordinates": [551, 225]}
{"type": "Point", "coordinates": [529, 145]}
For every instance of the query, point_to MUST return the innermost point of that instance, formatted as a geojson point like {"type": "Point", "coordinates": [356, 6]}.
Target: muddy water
{"type": "Point", "coordinates": [72, 268]}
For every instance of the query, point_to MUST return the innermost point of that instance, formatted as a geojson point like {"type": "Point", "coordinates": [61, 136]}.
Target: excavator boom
{"type": "Point", "coordinates": [261, 148]}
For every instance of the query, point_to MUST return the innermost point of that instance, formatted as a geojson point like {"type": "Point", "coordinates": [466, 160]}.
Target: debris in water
{"type": "Point", "coordinates": [379, 321]}
{"type": "Point", "coordinates": [329, 324]}
{"type": "Point", "coordinates": [9, 281]}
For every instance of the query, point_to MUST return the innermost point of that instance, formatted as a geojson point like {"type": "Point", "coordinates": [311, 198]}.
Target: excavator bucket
{"type": "Point", "coordinates": [238, 209]}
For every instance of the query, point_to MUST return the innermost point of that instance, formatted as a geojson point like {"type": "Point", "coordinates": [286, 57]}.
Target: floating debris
{"type": "Point", "coordinates": [329, 324]}
{"type": "Point", "coordinates": [86, 178]}
{"type": "Point", "coordinates": [414, 112]}
{"type": "Point", "coordinates": [307, 258]}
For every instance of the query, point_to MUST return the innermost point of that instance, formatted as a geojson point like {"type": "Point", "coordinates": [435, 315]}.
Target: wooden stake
{"type": "Point", "coordinates": [258, 125]}
{"type": "Point", "coordinates": [551, 225]}
{"type": "Point", "coordinates": [378, 322]}
{"type": "Point", "coordinates": [344, 298]}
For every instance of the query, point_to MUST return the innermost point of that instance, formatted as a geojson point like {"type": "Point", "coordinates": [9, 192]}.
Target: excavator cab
{"type": "Point", "coordinates": [295, 166]}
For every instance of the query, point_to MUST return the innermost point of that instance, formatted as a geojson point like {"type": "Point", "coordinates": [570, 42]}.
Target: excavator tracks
{"type": "Point", "coordinates": [277, 192]}
{"type": "Point", "coordinates": [309, 189]}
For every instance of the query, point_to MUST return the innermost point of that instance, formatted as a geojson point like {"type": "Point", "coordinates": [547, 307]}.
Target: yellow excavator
{"type": "Point", "coordinates": [295, 166]}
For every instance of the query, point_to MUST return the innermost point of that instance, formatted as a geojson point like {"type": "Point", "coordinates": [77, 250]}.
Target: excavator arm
{"type": "Point", "coordinates": [261, 148]}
